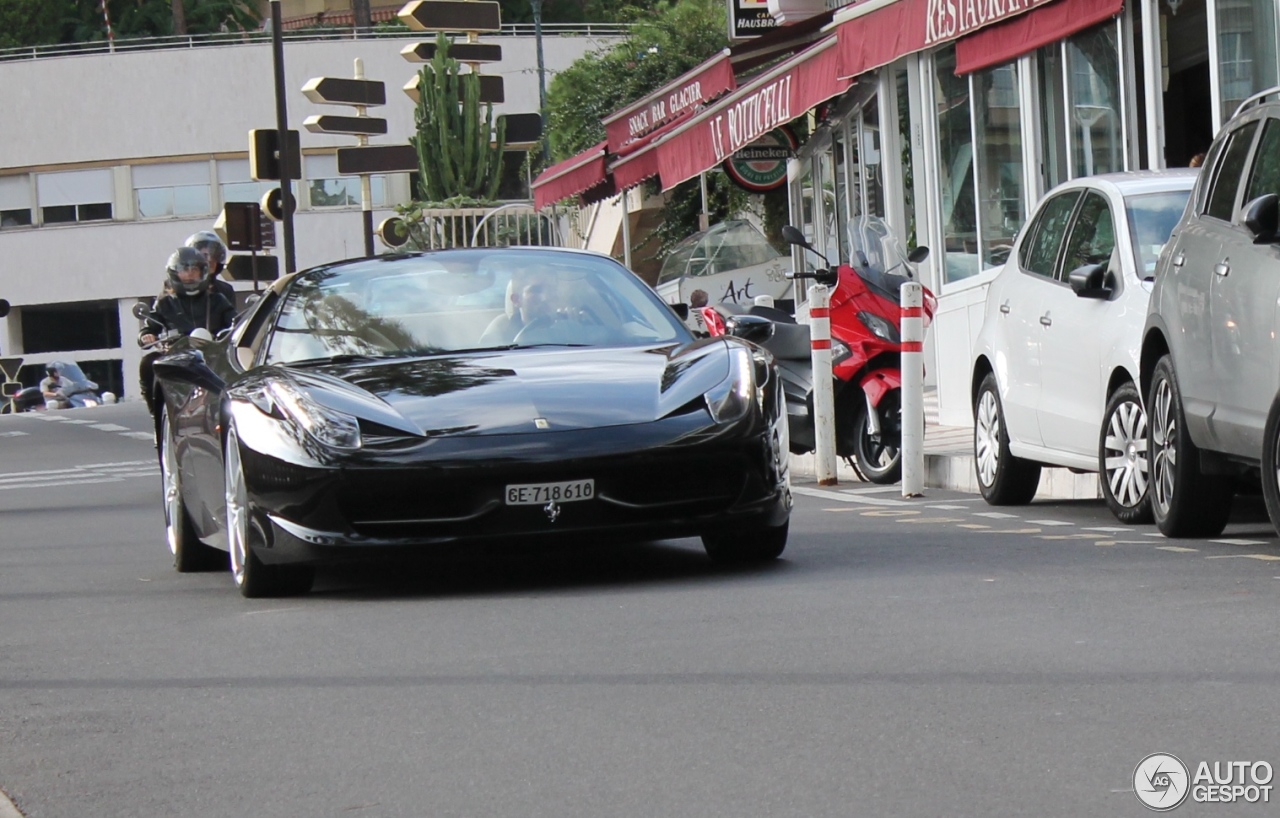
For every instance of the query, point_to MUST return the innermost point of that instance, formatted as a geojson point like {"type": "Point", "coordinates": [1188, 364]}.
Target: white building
{"type": "Point", "coordinates": [109, 161]}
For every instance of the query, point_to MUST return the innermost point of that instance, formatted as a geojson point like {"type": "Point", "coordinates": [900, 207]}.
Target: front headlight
{"type": "Point", "coordinates": [328, 426]}
{"type": "Point", "coordinates": [880, 327]}
{"type": "Point", "coordinates": [730, 399]}
{"type": "Point", "coordinates": [839, 351]}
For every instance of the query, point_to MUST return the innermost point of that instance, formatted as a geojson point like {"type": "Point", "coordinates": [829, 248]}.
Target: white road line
{"type": "Point", "coordinates": [995, 515]}
{"type": "Point", "coordinates": [14, 433]}
{"type": "Point", "coordinates": [1266, 557]}
{"type": "Point", "coordinates": [1110, 528]}
{"type": "Point", "coordinates": [1048, 522]}
{"type": "Point", "coordinates": [840, 497]}
{"type": "Point", "coordinates": [1177, 549]}
{"type": "Point", "coordinates": [80, 422]}
{"type": "Point", "coordinates": [949, 508]}
{"type": "Point", "coordinates": [55, 483]}
{"type": "Point", "coordinates": [150, 461]}
{"type": "Point", "coordinates": [1153, 534]}
{"type": "Point", "coordinates": [877, 490]}
{"type": "Point", "coordinates": [109, 427]}
{"type": "Point", "coordinates": [148, 436]}
{"type": "Point", "coordinates": [1239, 542]}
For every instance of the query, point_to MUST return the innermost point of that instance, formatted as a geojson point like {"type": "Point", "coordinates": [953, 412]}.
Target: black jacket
{"type": "Point", "coordinates": [184, 313]}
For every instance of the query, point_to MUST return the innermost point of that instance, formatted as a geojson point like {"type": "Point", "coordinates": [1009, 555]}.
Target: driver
{"type": "Point", "coordinates": [534, 296]}
{"type": "Point", "coordinates": [55, 388]}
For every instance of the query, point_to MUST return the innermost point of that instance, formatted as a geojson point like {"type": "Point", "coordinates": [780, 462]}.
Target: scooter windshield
{"type": "Point", "coordinates": [878, 257]}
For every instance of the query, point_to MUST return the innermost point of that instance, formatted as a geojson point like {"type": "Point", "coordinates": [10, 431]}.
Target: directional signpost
{"type": "Point", "coordinates": [361, 94]}
{"type": "Point", "coordinates": [9, 368]}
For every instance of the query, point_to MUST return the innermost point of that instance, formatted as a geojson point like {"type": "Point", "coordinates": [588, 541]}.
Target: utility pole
{"type": "Point", "coordinates": [363, 17]}
{"type": "Point", "coordinates": [542, 76]}
{"type": "Point", "coordinates": [282, 126]}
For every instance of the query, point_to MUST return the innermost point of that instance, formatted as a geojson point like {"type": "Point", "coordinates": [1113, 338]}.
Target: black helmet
{"type": "Point", "coordinates": [207, 242]}
{"type": "Point", "coordinates": [53, 369]}
{"type": "Point", "coordinates": [188, 258]}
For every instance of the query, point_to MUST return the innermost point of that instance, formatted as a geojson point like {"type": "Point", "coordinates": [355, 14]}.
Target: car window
{"type": "Point", "coordinates": [1040, 254]}
{"type": "Point", "coordinates": [1222, 196]}
{"type": "Point", "coordinates": [1152, 218]}
{"type": "Point", "coordinates": [1093, 236]}
{"type": "Point", "coordinates": [1265, 177]}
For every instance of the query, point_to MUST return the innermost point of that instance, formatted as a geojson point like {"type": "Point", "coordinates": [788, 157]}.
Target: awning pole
{"type": "Point", "coordinates": [626, 230]}
{"type": "Point", "coordinates": [704, 221]}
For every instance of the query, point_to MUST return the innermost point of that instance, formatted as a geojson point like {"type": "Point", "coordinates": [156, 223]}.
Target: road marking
{"type": "Point", "coordinates": [876, 490]}
{"type": "Point", "coordinates": [933, 520]}
{"type": "Point", "coordinates": [995, 515]}
{"type": "Point", "coordinates": [1017, 531]}
{"type": "Point", "coordinates": [12, 434]}
{"type": "Point", "coordinates": [1177, 549]}
{"type": "Point", "coordinates": [148, 436]}
{"type": "Point", "coordinates": [80, 422]}
{"type": "Point", "coordinates": [949, 508]}
{"type": "Point", "coordinates": [889, 512]}
{"type": "Point", "coordinates": [1239, 542]}
{"type": "Point", "coordinates": [79, 475]}
{"type": "Point", "coordinates": [1153, 534]}
{"type": "Point", "coordinates": [109, 427]}
{"type": "Point", "coordinates": [841, 497]}
{"type": "Point", "coordinates": [1122, 542]}
{"type": "Point", "coordinates": [1107, 528]}
{"type": "Point", "coordinates": [1080, 536]}
{"type": "Point", "coordinates": [974, 526]}
{"type": "Point", "coordinates": [1267, 557]}
{"type": "Point", "coordinates": [1048, 522]}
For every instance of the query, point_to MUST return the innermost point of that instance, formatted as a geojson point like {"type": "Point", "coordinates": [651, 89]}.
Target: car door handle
{"type": "Point", "coordinates": [1222, 268]}
{"type": "Point", "coordinates": [1004, 308]}
{"type": "Point", "coordinates": [1045, 320]}
{"type": "Point", "coordinates": [1180, 259]}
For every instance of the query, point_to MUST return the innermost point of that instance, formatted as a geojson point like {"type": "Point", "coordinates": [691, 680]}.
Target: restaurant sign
{"type": "Point", "coordinates": [762, 165]}
{"type": "Point", "coordinates": [750, 18]}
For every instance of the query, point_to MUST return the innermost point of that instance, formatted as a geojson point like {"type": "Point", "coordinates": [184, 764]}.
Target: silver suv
{"type": "Point", "coordinates": [1210, 363]}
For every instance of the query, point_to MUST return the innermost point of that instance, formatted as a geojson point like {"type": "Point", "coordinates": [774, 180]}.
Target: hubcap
{"type": "Point", "coordinates": [986, 438]}
{"type": "Point", "coordinates": [1164, 453]}
{"type": "Point", "coordinates": [1125, 454]}
{"type": "Point", "coordinates": [169, 480]}
{"type": "Point", "coordinates": [237, 509]}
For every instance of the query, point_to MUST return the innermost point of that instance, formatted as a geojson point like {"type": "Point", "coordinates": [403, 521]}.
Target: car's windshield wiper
{"type": "Point", "coordinates": [342, 358]}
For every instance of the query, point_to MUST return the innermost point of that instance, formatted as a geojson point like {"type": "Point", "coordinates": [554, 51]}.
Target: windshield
{"type": "Point", "coordinates": [875, 249]}
{"type": "Point", "coordinates": [466, 300]}
{"type": "Point", "coordinates": [1152, 217]}
{"type": "Point", "coordinates": [730, 245]}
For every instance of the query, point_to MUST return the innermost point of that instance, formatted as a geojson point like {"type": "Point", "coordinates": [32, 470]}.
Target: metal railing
{"type": "Point", "coordinates": [514, 223]}
{"type": "Point", "coordinates": [134, 44]}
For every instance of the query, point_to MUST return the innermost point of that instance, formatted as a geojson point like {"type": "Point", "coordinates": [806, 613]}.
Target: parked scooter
{"type": "Point", "coordinates": [865, 350]}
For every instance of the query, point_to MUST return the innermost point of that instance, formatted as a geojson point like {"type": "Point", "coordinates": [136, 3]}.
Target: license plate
{"type": "Point", "coordinates": [528, 494]}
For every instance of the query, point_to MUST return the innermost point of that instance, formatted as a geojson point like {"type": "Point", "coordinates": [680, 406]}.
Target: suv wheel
{"type": "Point", "coordinates": [1184, 502]}
{"type": "Point", "coordinates": [1004, 480]}
{"type": "Point", "coordinates": [1271, 463]}
{"type": "Point", "coordinates": [1122, 457]}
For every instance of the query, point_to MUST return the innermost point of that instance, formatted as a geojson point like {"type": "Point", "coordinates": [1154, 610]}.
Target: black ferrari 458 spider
{"type": "Point", "coordinates": [463, 396]}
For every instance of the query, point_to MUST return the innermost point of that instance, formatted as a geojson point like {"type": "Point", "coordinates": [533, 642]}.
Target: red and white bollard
{"type": "Point", "coordinates": [912, 300]}
{"type": "Point", "coordinates": [824, 410]}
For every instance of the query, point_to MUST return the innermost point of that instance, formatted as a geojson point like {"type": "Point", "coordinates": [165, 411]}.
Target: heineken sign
{"type": "Point", "coordinates": [762, 165]}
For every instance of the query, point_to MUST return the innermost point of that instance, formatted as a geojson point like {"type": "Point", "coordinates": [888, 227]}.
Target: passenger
{"type": "Point", "coordinates": [215, 252]}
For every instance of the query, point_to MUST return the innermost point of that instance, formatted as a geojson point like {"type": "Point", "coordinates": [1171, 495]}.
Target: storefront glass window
{"type": "Point", "coordinates": [1094, 75]}
{"type": "Point", "coordinates": [1246, 50]}
{"type": "Point", "coordinates": [904, 136]}
{"type": "Point", "coordinates": [1053, 102]}
{"type": "Point", "coordinates": [872, 167]}
{"type": "Point", "coordinates": [955, 168]}
{"type": "Point", "coordinates": [999, 130]}
{"type": "Point", "coordinates": [829, 237]}
{"type": "Point", "coordinates": [841, 193]}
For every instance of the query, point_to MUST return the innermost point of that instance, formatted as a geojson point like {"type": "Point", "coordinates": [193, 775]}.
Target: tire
{"type": "Point", "coordinates": [746, 547]}
{"type": "Point", "coordinates": [1122, 457]}
{"type": "Point", "coordinates": [189, 554]}
{"type": "Point", "coordinates": [254, 578]}
{"type": "Point", "coordinates": [879, 462]}
{"type": "Point", "coordinates": [1184, 502]}
{"type": "Point", "coordinates": [1003, 479]}
{"type": "Point", "coordinates": [1271, 464]}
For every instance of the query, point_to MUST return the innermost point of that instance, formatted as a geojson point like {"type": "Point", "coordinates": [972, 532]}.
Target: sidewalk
{"type": "Point", "coordinates": [948, 463]}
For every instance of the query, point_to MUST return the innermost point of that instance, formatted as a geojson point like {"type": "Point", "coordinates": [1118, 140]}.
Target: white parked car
{"type": "Point", "coordinates": [732, 262]}
{"type": "Point", "coordinates": [1056, 361]}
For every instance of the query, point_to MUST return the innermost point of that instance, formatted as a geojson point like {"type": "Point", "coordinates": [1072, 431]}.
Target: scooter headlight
{"type": "Point", "coordinates": [839, 351]}
{"type": "Point", "coordinates": [880, 327]}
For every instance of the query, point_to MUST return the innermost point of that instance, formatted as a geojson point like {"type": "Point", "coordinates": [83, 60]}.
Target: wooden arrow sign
{"type": "Point", "coordinates": [452, 15]}
{"type": "Point", "coordinates": [491, 89]}
{"type": "Point", "coordinates": [462, 52]}
{"type": "Point", "coordinates": [522, 129]}
{"type": "Point", "coordinates": [337, 91]}
{"type": "Point", "coordinates": [355, 125]}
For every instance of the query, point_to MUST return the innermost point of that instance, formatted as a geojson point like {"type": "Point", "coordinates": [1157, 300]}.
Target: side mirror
{"type": "Point", "coordinates": [791, 235]}
{"type": "Point", "coordinates": [1262, 217]}
{"type": "Point", "coordinates": [918, 255]}
{"type": "Point", "coordinates": [749, 327]}
{"type": "Point", "coordinates": [189, 367]}
{"type": "Point", "coordinates": [1089, 281]}
{"type": "Point", "coordinates": [140, 311]}
{"type": "Point", "coordinates": [681, 311]}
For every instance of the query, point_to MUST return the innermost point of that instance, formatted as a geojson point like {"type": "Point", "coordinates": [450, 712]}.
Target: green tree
{"type": "Point", "coordinates": [457, 152]}
{"type": "Point", "coordinates": [44, 22]}
{"type": "Point", "coordinates": [29, 22]}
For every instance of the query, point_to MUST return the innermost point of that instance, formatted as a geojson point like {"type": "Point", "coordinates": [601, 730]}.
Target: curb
{"type": "Point", "coordinates": [954, 471]}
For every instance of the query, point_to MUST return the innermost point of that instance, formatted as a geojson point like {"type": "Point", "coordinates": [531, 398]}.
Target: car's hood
{"type": "Point", "coordinates": [520, 391]}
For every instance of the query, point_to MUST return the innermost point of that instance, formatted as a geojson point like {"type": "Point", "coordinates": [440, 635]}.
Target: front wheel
{"type": "Point", "coordinates": [1122, 457]}
{"type": "Point", "coordinates": [189, 554]}
{"type": "Point", "coordinates": [251, 575]}
{"type": "Point", "coordinates": [742, 547]}
{"type": "Point", "coordinates": [1184, 501]}
{"type": "Point", "coordinates": [1004, 480]}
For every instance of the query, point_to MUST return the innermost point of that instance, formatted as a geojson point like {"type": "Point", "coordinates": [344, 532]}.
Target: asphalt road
{"type": "Point", "coordinates": [907, 659]}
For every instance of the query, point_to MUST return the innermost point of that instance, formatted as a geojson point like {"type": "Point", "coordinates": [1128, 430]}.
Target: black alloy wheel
{"type": "Point", "coordinates": [1003, 479]}
{"type": "Point", "coordinates": [189, 554]}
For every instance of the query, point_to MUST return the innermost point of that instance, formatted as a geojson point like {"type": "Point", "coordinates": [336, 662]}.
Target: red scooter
{"type": "Point", "coordinates": [865, 349]}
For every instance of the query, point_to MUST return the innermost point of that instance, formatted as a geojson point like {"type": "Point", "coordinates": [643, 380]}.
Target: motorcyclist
{"type": "Point", "coordinates": [189, 300]}
{"type": "Point", "coordinates": [215, 252]}
{"type": "Point", "coordinates": [55, 388]}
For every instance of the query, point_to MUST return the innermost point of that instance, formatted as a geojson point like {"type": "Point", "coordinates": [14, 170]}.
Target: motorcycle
{"type": "Point", "coordinates": [866, 346]}
{"type": "Point", "coordinates": [83, 392]}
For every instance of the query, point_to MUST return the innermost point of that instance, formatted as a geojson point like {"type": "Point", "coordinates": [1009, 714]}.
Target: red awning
{"type": "Point", "coordinates": [877, 37]}
{"type": "Point", "coordinates": [584, 172]}
{"type": "Point", "coordinates": [673, 100]}
{"type": "Point", "coordinates": [707, 138]}
{"type": "Point", "coordinates": [1004, 42]}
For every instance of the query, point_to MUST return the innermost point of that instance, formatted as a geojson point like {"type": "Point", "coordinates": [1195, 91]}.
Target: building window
{"type": "Point", "coordinates": [75, 196]}
{"type": "Point", "coordinates": [71, 326]}
{"type": "Point", "coordinates": [234, 184]}
{"type": "Point", "coordinates": [1247, 59]}
{"type": "Point", "coordinates": [15, 201]}
{"type": "Point", "coordinates": [178, 189]}
{"type": "Point", "coordinates": [328, 189]}
{"type": "Point", "coordinates": [955, 168]}
{"type": "Point", "coordinates": [1094, 76]}
{"type": "Point", "coordinates": [998, 124]}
